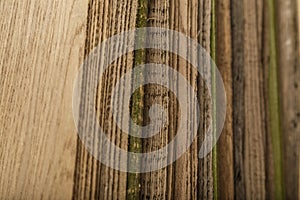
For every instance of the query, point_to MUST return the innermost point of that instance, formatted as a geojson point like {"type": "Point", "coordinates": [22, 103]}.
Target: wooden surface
{"type": "Point", "coordinates": [256, 47]}
{"type": "Point", "coordinates": [42, 46]}
{"type": "Point", "coordinates": [289, 61]}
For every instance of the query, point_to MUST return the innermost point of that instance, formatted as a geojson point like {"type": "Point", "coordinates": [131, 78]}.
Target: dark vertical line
{"type": "Point", "coordinates": [199, 84]}
{"type": "Point", "coordinates": [213, 88]}
{"type": "Point", "coordinates": [237, 23]}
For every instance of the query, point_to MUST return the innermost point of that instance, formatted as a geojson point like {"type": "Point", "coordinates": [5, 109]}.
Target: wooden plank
{"type": "Point", "coordinates": [42, 45]}
{"type": "Point", "coordinates": [205, 183]}
{"type": "Point", "coordinates": [93, 180]}
{"type": "Point", "coordinates": [238, 93]}
{"type": "Point", "coordinates": [186, 15]}
{"type": "Point", "coordinates": [254, 130]}
{"type": "Point", "coordinates": [154, 184]}
{"type": "Point", "coordinates": [248, 115]}
{"type": "Point", "coordinates": [270, 172]}
{"type": "Point", "coordinates": [289, 66]}
{"type": "Point", "coordinates": [224, 63]}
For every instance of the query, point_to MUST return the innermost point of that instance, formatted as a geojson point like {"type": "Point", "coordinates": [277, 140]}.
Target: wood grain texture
{"type": "Point", "coordinates": [256, 45]}
{"type": "Point", "coordinates": [42, 45]}
{"type": "Point", "coordinates": [248, 115]}
{"type": "Point", "coordinates": [205, 165]}
{"type": "Point", "coordinates": [224, 63]}
{"type": "Point", "coordinates": [289, 65]}
{"type": "Point", "coordinates": [94, 180]}
{"type": "Point", "coordinates": [237, 8]}
{"type": "Point", "coordinates": [154, 184]}
{"type": "Point", "coordinates": [254, 129]}
{"type": "Point", "coordinates": [193, 176]}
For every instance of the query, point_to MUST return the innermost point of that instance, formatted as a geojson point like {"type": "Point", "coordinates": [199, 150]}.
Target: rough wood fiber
{"type": "Point", "coordinates": [256, 49]}
{"type": "Point", "coordinates": [92, 179]}
{"type": "Point", "coordinates": [184, 18]}
{"type": "Point", "coordinates": [154, 184]}
{"type": "Point", "coordinates": [205, 166]}
{"type": "Point", "coordinates": [191, 177]}
{"type": "Point", "coordinates": [42, 46]}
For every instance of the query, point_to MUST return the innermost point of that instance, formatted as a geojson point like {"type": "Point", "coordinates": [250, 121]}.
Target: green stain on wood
{"type": "Point", "coordinates": [274, 106]}
{"type": "Point", "coordinates": [213, 85]}
{"type": "Point", "coordinates": [135, 144]}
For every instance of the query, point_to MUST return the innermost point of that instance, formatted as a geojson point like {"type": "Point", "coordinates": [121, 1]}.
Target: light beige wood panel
{"type": "Point", "coordinates": [41, 48]}
{"type": "Point", "coordinates": [289, 63]}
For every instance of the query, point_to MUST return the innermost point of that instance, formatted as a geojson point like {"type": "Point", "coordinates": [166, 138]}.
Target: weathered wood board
{"type": "Point", "coordinates": [256, 46]}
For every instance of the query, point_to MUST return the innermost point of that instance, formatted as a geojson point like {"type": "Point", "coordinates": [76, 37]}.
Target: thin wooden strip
{"type": "Point", "coordinates": [224, 61]}
{"type": "Point", "coordinates": [135, 144]}
{"type": "Point", "coordinates": [213, 88]}
{"type": "Point", "coordinates": [186, 167]}
{"type": "Point", "coordinates": [238, 93]}
{"type": "Point", "coordinates": [83, 170]}
{"type": "Point", "coordinates": [274, 105]}
{"type": "Point", "coordinates": [205, 173]}
{"type": "Point", "coordinates": [254, 129]}
{"type": "Point", "coordinates": [153, 184]}
{"type": "Point", "coordinates": [289, 76]}
{"type": "Point", "coordinates": [193, 80]}
{"type": "Point", "coordinates": [249, 130]}
{"type": "Point", "coordinates": [270, 165]}
{"type": "Point", "coordinates": [174, 110]}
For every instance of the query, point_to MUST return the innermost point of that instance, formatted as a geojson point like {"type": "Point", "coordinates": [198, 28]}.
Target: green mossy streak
{"type": "Point", "coordinates": [135, 144]}
{"type": "Point", "coordinates": [274, 106]}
